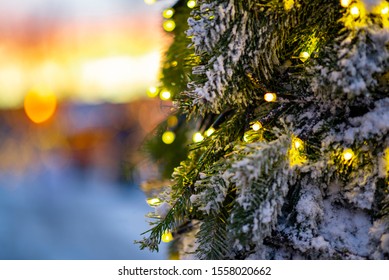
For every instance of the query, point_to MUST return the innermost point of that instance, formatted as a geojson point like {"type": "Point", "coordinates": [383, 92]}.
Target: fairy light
{"type": "Point", "coordinates": [348, 154]}
{"type": "Point", "coordinates": [169, 25]}
{"type": "Point", "coordinates": [384, 10]}
{"type": "Point", "coordinates": [197, 137]}
{"type": "Point", "coordinates": [165, 95]}
{"type": "Point", "coordinates": [209, 131]}
{"type": "Point", "coordinates": [153, 201]}
{"type": "Point", "coordinates": [167, 237]}
{"type": "Point", "coordinates": [172, 121]}
{"type": "Point", "coordinates": [256, 126]}
{"type": "Point", "coordinates": [303, 56]}
{"type": "Point", "coordinates": [191, 4]}
{"type": "Point", "coordinates": [152, 92]}
{"type": "Point", "coordinates": [168, 13]}
{"type": "Point", "coordinates": [168, 137]}
{"type": "Point", "coordinates": [354, 11]}
{"type": "Point", "coordinates": [270, 97]}
{"type": "Point", "coordinates": [295, 153]}
{"type": "Point", "coordinates": [298, 143]}
{"type": "Point", "coordinates": [345, 3]}
{"type": "Point", "coordinates": [150, 2]}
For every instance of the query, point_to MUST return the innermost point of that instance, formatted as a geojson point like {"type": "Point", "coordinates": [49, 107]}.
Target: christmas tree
{"type": "Point", "coordinates": [290, 101]}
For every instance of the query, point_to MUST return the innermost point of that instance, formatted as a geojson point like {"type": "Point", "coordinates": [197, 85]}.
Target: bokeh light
{"type": "Point", "coordinates": [40, 104]}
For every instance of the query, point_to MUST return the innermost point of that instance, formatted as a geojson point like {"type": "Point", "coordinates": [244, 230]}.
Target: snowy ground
{"type": "Point", "coordinates": [71, 217]}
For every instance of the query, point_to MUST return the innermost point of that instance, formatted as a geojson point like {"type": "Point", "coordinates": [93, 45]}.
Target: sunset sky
{"type": "Point", "coordinates": [83, 50]}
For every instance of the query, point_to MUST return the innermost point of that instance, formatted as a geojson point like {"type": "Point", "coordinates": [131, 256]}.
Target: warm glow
{"type": "Point", "coordinates": [169, 25]}
{"type": "Point", "coordinates": [168, 13]}
{"type": "Point", "coordinates": [256, 126]}
{"type": "Point", "coordinates": [354, 11]}
{"type": "Point", "coordinates": [150, 2]}
{"type": "Point", "coordinates": [304, 56]}
{"type": "Point", "coordinates": [167, 237]}
{"type": "Point", "coordinates": [40, 104]}
{"type": "Point", "coordinates": [165, 95]}
{"type": "Point", "coordinates": [168, 137]}
{"type": "Point", "coordinates": [385, 10]}
{"type": "Point", "coordinates": [198, 137]}
{"type": "Point", "coordinates": [348, 154]}
{"type": "Point", "coordinates": [270, 97]}
{"type": "Point", "coordinates": [153, 201]}
{"type": "Point", "coordinates": [152, 92]}
{"type": "Point", "coordinates": [191, 4]}
{"type": "Point", "coordinates": [172, 121]}
{"type": "Point", "coordinates": [345, 3]}
{"type": "Point", "coordinates": [209, 131]}
{"type": "Point", "coordinates": [298, 143]}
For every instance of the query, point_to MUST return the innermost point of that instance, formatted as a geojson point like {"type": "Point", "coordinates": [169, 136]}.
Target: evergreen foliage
{"type": "Point", "coordinates": [305, 175]}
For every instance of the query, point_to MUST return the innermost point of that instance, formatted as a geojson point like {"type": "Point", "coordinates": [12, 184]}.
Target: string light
{"type": "Point", "coordinates": [191, 4]}
{"type": "Point", "coordinates": [168, 137]}
{"type": "Point", "coordinates": [298, 143]}
{"type": "Point", "coordinates": [168, 13]}
{"type": "Point", "coordinates": [150, 2]}
{"type": "Point", "coordinates": [165, 95]}
{"type": "Point", "coordinates": [172, 121]}
{"type": "Point", "coordinates": [167, 236]}
{"type": "Point", "coordinates": [345, 3]}
{"type": "Point", "coordinates": [153, 201]}
{"type": "Point", "coordinates": [270, 97]}
{"type": "Point", "coordinates": [197, 137]}
{"type": "Point", "coordinates": [384, 10]}
{"type": "Point", "coordinates": [354, 11]}
{"type": "Point", "coordinates": [209, 131]}
{"type": "Point", "coordinates": [303, 56]}
{"type": "Point", "coordinates": [348, 154]}
{"type": "Point", "coordinates": [152, 92]}
{"type": "Point", "coordinates": [169, 25]}
{"type": "Point", "coordinates": [256, 126]}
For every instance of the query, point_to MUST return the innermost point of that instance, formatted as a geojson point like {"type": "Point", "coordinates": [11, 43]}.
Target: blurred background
{"type": "Point", "coordinates": [73, 114]}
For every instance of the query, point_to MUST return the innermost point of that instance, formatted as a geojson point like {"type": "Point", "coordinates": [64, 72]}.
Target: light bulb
{"type": "Point", "coordinates": [345, 3]}
{"type": "Point", "coordinates": [168, 13]}
{"type": "Point", "coordinates": [348, 154]}
{"type": "Point", "coordinates": [168, 137]}
{"type": "Point", "coordinates": [210, 131]}
{"type": "Point", "coordinates": [385, 10]}
{"type": "Point", "coordinates": [298, 143]}
{"type": "Point", "coordinates": [167, 236]}
{"type": "Point", "coordinates": [256, 126]}
{"type": "Point", "coordinates": [270, 97]}
{"type": "Point", "coordinates": [165, 95]}
{"type": "Point", "coordinates": [169, 25]}
{"type": "Point", "coordinates": [152, 92]}
{"type": "Point", "coordinates": [191, 4]}
{"type": "Point", "coordinates": [197, 137]}
{"type": "Point", "coordinates": [354, 11]}
{"type": "Point", "coordinates": [303, 56]}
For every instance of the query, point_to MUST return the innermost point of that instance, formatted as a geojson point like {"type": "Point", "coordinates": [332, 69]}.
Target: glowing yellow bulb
{"type": "Point", "coordinates": [153, 201]}
{"type": "Point", "coordinates": [152, 92]}
{"type": "Point", "coordinates": [385, 10]}
{"type": "Point", "coordinates": [354, 11]}
{"type": "Point", "coordinates": [256, 126]}
{"type": "Point", "coordinates": [197, 137]}
{"type": "Point", "coordinates": [168, 137]}
{"type": "Point", "coordinates": [348, 154]}
{"type": "Point", "coordinates": [165, 95]}
{"type": "Point", "coordinates": [168, 13]}
{"type": "Point", "coordinates": [191, 4]}
{"type": "Point", "coordinates": [298, 143]}
{"type": "Point", "coordinates": [303, 56]}
{"type": "Point", "coordinates": [150, 2]}
{"type": "Point", "coordinates": [167, 237]}
{"type": "Point", "coordinates": [210, 131]}
{"type": "Point", "coordinates": [172, 121]}
{"type": "Point", "coordinates": [40, 104]}
{"type": "Point", "coordinates": [174, 63]}
{"type": "Point", "coordinates": [270, 97]}
{"type": "Point", "coordinates": [169, 25]}
{"type": "Point", "coordinates": [345, 3]}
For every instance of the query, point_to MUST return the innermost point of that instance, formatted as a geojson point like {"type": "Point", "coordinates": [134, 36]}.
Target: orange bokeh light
{"type": "Point", "coordinates": [40, 104]}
